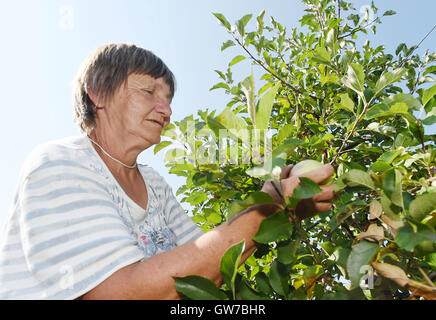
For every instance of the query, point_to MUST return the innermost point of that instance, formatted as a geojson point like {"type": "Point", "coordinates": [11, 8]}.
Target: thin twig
{"type": "Point", "coordinates": [358, 28]}
{"type": "Point", "coordinates": [420, 42]}
{"type": "Point", "coordinates": [427, 279]}
{"type": "Point", "coordinates": [271, 72]}
{"type": "Point", "coordinates": [350, 133]}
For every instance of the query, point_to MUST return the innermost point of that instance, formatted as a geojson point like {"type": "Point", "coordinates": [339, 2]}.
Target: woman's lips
{"type": "Point", "coordinates": [156, 122]}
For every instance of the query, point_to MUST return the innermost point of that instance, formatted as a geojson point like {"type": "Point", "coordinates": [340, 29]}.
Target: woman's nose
{"type": "Point", "coordinates": [164, 108]}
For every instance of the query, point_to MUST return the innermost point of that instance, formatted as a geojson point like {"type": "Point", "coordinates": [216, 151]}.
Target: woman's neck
{"type": "Point", "coordinates": [117, 149]}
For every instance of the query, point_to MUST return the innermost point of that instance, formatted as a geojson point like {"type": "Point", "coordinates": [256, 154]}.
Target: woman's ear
{"type": "Point", "coordinates": [94, 98]}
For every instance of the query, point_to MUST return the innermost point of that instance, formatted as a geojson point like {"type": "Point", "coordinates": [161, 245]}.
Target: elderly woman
{"type": "Point", "coordinates": [89, 222]}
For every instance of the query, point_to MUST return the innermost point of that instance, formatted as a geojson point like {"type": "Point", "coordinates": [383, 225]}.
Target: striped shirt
{"type": "Point", "coordinates": [71, 224]}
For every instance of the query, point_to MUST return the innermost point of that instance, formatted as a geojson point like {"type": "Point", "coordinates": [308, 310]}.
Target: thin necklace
{"type": "Point", "coordinates": [127, 166]}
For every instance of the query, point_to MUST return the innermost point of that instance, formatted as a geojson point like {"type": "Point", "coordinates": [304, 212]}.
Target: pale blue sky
{"type": "Point", "coordinates": [44, 41]}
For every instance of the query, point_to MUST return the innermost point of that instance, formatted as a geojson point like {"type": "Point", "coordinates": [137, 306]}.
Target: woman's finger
{"type": "Point", "coordinates": [286, 171]}
{"type": "Point", "coordinates": [327, 193]}
{"type": "Point", "coordinates": [288, 185]}
{"type": "Point", "coordinates": [320, 174]}
{"type": "Point", "coordinates": [323, 206]}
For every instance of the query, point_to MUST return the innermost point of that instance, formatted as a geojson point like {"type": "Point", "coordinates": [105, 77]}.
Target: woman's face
{"type": "Point", "coordinates": [141, 109]}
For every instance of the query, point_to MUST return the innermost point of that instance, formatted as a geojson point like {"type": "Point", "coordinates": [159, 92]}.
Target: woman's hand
{"type": "Point", "coordinates": [306, 208]}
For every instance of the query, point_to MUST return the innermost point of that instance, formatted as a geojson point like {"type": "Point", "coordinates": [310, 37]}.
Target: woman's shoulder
{"type": "Point", "coordinates": [66, 150]}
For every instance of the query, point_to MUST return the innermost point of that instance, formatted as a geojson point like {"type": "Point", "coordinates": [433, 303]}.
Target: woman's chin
{"type": "Point", "coordinates": [151, 141]}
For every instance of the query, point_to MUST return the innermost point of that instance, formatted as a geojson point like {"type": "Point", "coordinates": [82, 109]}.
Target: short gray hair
{"type": "Point", "coordinates": [105, 70]}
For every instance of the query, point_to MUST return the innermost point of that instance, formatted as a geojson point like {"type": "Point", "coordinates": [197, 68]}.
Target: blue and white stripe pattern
{"type": "Point", "coordinates": [71, 224]}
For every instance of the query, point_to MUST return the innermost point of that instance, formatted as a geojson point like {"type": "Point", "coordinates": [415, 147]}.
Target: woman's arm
{"type": "Point", "coordinates": [153, 277]}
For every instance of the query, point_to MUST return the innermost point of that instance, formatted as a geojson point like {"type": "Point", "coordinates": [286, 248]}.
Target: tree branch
{"type": "Point", "coordinates": [351, 132]}
{"type": "Point", "coordinates": [419, 43]}
{"type": "Point", "coordinates": [427, 279]}
{"type": "Point", "coordinates": [271, 72]}
{"type": "Point", "coordinates": [358, 28]}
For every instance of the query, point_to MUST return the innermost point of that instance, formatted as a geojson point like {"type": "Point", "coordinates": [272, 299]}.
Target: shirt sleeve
{"type": "Point", "coordinates": [71, 233]}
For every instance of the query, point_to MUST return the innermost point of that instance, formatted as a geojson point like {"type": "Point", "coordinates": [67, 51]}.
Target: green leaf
{"type": "Point", "coordinates": [284, 132]}
{"type": "Point", "coordinates": [392, 186]}
{"type": "Point", "coordinates": [236, 126]}
{"type": "Point", "coordinates": [248, 88]}
{"type": "Point", "coordinates": [244, 291]}
{"type": "Point", "coordinates": [431, 260]}
{"type": "Point", "coordinates": [430, 117]}
{"type": "Point", "coordinates": [227, 44]}
{"type": "Point", "coordinates": [422, 206]}
{"type": "Point", "coordinates": [400, 47]}
{"type": "Point", "coordinates": [174, 155]}
{"type": "Point", "coordinates": [399, 108]}
{"type": "Point", "coordinates": [357, 177]}
{"type": "Point", "coordinates": [264, 108]}
{"type": "Point", "coordinates": [278, 278]}
{"type": "Point", "coordinates": [388, 78]}
{"type": "Point", "coordinates": [321, 55]}
{"type": "Point", "coordinates": [361, 255]}
{"type": "Point", "coordinates": [413, 124]}
{"type": "Point", "coordinates": [170, 132]}
{"type": "Point", "coordinates": [221, 75]}
{"type": "Point", "coordinates": [236, 59]}
{"type": "Point", "coordinates": [431, 57]}
{"type": "Point", "coordinates": [286, 251]}
{"type": "Point", "coordinates": [340, 257]}
{"type": "Point", "coordinates": [263, 283]}
{"type": "Point", "coordinates": [379, 166]}
{"type": "Point", "coordinates": [389, 182]}
{"type": "Point", "coordinates": [223, 21]}
{"type": "Point", "coordinates": [260, 22]}
{"type": "Point", "coordinates": [328, 247]}
{"type": "Point", "coordinates": [428, 94]}
{"type": "Point", "coordinates": [306, 189]}
{"type": "Point", "coordinates": [230, 263]}
{"type": "Point", "coordinates": [198, 288]}
{"type": "Point", "coordinates": [431, 69]}
{"type": "Point", "coordinates": [354, 78]}
{"type": "Point", "coordinates": [412, 234]}
{"type": "Point", "coordinates": [241, 23]}
{"type": "Point", "coordinates": [378, 110]}
{"type": "Point", "coordinates": [274, 228]}
{"type": "Point", "coordinates": [161, 145]}
{"type": "Point", "coordinates": [390, 209]}
{"type": "Point", "coordinates": [383, 110]}
{"type": "Point", "coordinates": [253, 199]}
{"type": "Point", "coordinates": [312, 272]}
{"type": "Point", "coordinates": [389, 13]}
{"type": "Point", "coordinates": [287, 146]}
{"type": "Point", "coordinates": [346, 102]}
{"type": "Point", "coordinates": [411, 102]}
{"type": "Point", "coordinates": [220, 85]}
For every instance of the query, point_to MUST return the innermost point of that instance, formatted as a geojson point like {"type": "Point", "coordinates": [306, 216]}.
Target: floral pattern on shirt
{"type": "Point", "coordinates": [151, 232]}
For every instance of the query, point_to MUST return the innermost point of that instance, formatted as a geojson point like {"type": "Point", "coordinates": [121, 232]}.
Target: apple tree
{"type": "Point", "coordinates": [316, 92]}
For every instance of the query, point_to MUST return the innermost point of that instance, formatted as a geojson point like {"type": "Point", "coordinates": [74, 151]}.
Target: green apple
{"type": "Point", "coordinates": [309, 165]}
